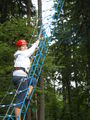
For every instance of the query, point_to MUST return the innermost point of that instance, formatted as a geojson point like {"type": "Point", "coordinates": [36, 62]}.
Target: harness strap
{"type": "Point", "coordinates": [20, 68]}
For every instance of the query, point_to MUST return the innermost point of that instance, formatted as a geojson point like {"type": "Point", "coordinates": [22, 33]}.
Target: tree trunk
{"type": "Point", "coordinates": [41, 81]}
{"type": "Point", "coordinates": [87, 37]}
{"type": "Point", "coordinates": [39, 14]}
{"type": "Point", "coordinates": [64, 96]}
{"type": "Point", "coordinates": [4, 12]}
{"type": "Point", "coordinates": [88, 55]}
{"type": "Point", "coordinates": [41, 99]}
{"type": "Point", "coordinates": [64, 99]}
{"type": "Point", "coordinates": [69, 98]}
{"type": "Point", "coordinates": [88, 71]}
{"type": "Point", "coordinates": [28, 115]}
{"type": "Point", "coordinates": [36, 106]}
{"type": "Point", "coordinates": [28, 9]}
{"type": "Point", "coordinates": [12, 8]}
{"type": "Point", "coordinates": [78, 104]}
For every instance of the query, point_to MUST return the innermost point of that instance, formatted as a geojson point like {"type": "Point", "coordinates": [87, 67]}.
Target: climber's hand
{"type": "Point", "coordinates": [41, 37]}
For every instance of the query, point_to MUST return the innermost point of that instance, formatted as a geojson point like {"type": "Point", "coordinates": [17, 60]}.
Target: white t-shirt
{"type": "Point", "coordinates": [22, 59]}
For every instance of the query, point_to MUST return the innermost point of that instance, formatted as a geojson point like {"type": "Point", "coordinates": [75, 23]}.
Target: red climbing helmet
{"type": "Point", "coordinates": [21, 43]}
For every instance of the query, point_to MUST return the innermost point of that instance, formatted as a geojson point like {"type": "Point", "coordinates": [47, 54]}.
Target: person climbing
{"type": "Point", "coordinates": [21, 69]}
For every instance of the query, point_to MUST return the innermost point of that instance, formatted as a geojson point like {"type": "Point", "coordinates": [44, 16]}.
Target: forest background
{"type": "Point", "coordinates": [66, 71]}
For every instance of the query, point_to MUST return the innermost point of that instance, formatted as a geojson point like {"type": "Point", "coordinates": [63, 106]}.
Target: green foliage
{"type": "Point", "coordinates": [15, 29]}
{"type": "Point", "coordinates": [9, 9]}
{"type": "Point", "coordinates": [6, 59]}
{"type": "Point", "coordinates": [68, 56]}
{"type": "Point", "coordinates": [70, 51]}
